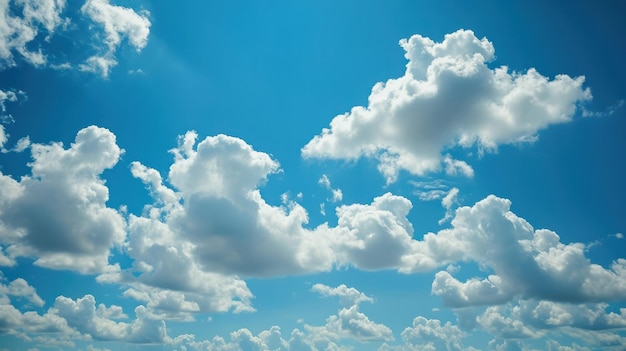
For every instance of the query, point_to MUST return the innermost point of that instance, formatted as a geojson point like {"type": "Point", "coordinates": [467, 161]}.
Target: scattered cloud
{"type": "Point", "coordinates": [16, 32]}
{"type": "Point", "coordinates": [448, 97]}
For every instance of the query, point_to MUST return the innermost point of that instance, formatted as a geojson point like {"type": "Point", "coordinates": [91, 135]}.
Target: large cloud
{"type": "Point", "coordinates": [448, 97]}
{"type": "Point", "coordinates": [216, 217]}
{"type": "Point", "coordinates": [58, 214]}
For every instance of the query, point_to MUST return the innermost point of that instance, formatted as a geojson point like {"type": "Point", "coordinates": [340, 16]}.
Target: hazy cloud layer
{"type": "Point", "coordinates": [448, 97]}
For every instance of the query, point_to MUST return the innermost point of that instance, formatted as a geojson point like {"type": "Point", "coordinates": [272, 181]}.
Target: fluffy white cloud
{"type": "Point", "coordinates": [374, 236]}
{"type": "Point", "coordinates": [448, 97]}
{"type": "Point", "coordinates": [526, 262]}
{"type": "Point", "coordinates": [430, 334]}
{"type": "Point", "coordinates": [16, 32]}
{"type": "Point", "coordinates": [349, 321]}
{"type": "Point", "coordinates": [58, 214]}
{"type": "Point", "coordinates": [20, 288]}
{"type": "Point", "coordinates": [69, 319]}
{"type": "Point", "coordinates": [530, 318]}
{"type": "Point", "coordinates": [347, 296]}
{"type": "Point", "coordinates": [82, 315]}
{"type": "Point", "coordinates": [118, 22]}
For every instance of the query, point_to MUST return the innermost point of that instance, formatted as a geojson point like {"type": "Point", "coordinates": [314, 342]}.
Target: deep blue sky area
{"type": "Point", "coordinates": [313, 175]}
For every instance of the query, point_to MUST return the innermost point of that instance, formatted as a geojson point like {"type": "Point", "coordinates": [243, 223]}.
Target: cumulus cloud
{"type": "Point", "coordinates": [430, 334]}
{"type": "Point", "coordinates": [337, 193]}
{"type": "Point", "coordinates": [68, 319]}
{"type": "Point", "coordinates": [215, 220]}
{"type": "Point", "coordinates": [25, 22]}
{"type": "Point", "coordinates": [118, 23]}
{"type": "Point", "coordinates": [448, 97]}
{"type": "Point", "coordinates": [58, 213]}
{"type": "Point", "coordinates": [526, 262]}
{"type": "Point", "coordinates": [83, 316]}
{"type": "Point", "coordinates": [347, 296]}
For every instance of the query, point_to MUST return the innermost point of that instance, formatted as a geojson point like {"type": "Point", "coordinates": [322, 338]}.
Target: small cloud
{"type": "Point", "coordinates": [608, 112]}
{"type": "Point", "coordinates": [337, 193]}
{"type": "Point", "coordinates": [448, 202]}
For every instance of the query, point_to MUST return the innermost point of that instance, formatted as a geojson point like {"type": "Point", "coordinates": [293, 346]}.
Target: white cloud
{"type": "Point", "coordinates": [448, 97]}
{"type": "Point", "coordinates": [535, 316]}
{"type": "Point", "coordinates": [68, 319]}
{"type": "Point", "coordinates": [8, 96]}
{"type": "Point", "coordinates": [430, 190]}
{"type": "Point", "coordinates": [3, 137]}
{"type": "Point", "coordinates": [17, 32]}
{"type": "Point", "coordinates": [349, 321]}
{"type": "Point", "coordinates": [374, 236]}
{"type": "Point", "coordinates": [118, 22]}
{"type": "Point", "coordinates": [337, 193]}
{"type": "Point", "coordinates": [18, 288]}
{"type": "Point", "coordinates": [430, 334]}
{"type": "Point", "coordinates": [448, 202]}
{"type": "Point", "coordinates": [525, 262]}
{"type": "Point", "coordinates": [58, 214]}
{"type": "Point", "coordinates": [347, 296]}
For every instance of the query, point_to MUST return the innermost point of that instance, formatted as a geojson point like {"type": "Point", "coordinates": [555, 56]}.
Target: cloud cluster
{"type": "Point", "coordinates": [448, 97]}
{"type": "Point", "coordinates": [533, 264]}
{"type": "Point", "coordinates": [58, 213]}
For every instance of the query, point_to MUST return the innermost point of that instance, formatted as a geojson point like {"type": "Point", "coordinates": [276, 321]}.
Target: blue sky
{"type": "Point", "coordinates": [279, 175]}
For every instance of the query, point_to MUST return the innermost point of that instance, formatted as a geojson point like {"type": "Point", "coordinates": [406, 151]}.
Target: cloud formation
{"type": "Point", "coordinates": [26, 22]}
{"type": "Point", "coordinates": [448, 97]}
{"type": "Point", "coordinates": [16, 32]}
{"type": "Point", "coordinates": [117, 22]}
{"type": "Point", "coordinates": [58, 213]}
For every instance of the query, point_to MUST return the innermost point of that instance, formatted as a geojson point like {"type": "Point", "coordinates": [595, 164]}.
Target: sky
{"type": "Point", "coordinates": [312, 175]}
